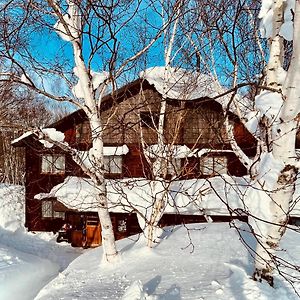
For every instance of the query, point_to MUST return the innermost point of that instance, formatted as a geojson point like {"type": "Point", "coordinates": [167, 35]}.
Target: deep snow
{"type": "Point", "coordinates": [198, 261]}
{"type": "Point", "coordinates": [28, 261]}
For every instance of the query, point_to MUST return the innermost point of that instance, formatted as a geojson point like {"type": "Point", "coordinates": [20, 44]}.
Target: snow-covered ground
{"type": "Point", "coordinates": [195, 262]}
{"type": "Point", "coordinates": [198, 261]}
{"type": "Point", "coordinates": [28, 261]}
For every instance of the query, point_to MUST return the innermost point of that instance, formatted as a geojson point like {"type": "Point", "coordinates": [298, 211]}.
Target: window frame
{"type": "Point", "coordinates": [50, 164]}
{"type": "Point", "coordinates": [48, 212]}
{"type": "Point", "coordinates": [111, 163]}
{"type": "Point", "coordinates": [214, 167]}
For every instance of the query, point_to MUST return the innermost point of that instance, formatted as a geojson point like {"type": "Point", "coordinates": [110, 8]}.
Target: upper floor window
{"type": "Point", "coordinates": [149, 119]}
{"type": "Point", "coordinates": [53, 164]}
{"type": "Point", "coordinates": [113, 164]}
{"type": "Point", "coordinates": [213, 165]}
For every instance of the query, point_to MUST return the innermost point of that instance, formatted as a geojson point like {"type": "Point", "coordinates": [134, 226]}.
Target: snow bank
{"type": "Point", "coordinates": [12, 207]}
{"type": "Point", "coordinates": [21, 274]}
{"type": "Point", "coordinates": [193, 261]}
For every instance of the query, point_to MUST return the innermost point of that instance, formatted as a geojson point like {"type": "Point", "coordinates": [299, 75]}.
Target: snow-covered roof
{"type": "Point", "coordinates": [115, 150]}
{"type": "Point", "coordinates": [22, 137]}
{"type": "Point", "coordinates": [193, 196]}
{"type": "Point", "coordinates": [200, 152]}
{"type": "Point", "coordinates": [51, 133]}
{"type": "Point", "coordinates": [181, 84]}
{"type": "Point", "coordinates": [173, 151]}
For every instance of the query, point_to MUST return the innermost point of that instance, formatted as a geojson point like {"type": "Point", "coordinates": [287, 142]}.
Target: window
{"type": "Point", "coordinates": [53, 164]}
{"type": "Point", "coordinates": [171, 166]}
{"type": "Point", "coordinates": [113, 164]}
{"type": "Point", "coordinates": [210, 165]}
{"type": "Point", "coordinates": [48, 212]}
{"type": "Point", "coordinates": [122, 225]}
{"type": "Point", "coordinates": [47, 209]}
{"type": "Point", "coordinates": [174, 166]}
{"type": "Point", "coordinates": [149, 119]}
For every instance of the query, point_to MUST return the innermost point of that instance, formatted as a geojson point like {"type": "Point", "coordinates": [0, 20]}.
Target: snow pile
{"type": "Point", "coordinates": [19, 270]}
{"type": "Point", "coordinates": [97, 80]}
{"type": "Point", "coordinates": [69, 28]}
{"type": "Point", "coordinates": [181, 84]}
{"type": "Point", "coordinates": [266, 15]}
{"type": "Point", "coordinates": [12, 207]}
{"type": "Point", "coordinates": [171, 151]}
{"type": "Point", "coordinates": [193, 261]}
{"type": "Point", "coordinates": [27, 261]}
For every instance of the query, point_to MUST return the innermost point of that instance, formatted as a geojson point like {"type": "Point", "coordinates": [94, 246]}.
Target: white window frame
{"type": "Point", "coordinates": [53, 164]}
{"type": "Point", "coordinates": [113, 164]}
{"type": "Point", "coordinates": [214, 165]}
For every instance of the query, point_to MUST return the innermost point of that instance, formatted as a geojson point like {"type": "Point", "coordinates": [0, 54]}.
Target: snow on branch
{"type": "Point", "coordinates": [69, 27]}
{"type": "Point", "coordinates": [98, 78]}
{"type": "Point", "coordinates": [266, 15]}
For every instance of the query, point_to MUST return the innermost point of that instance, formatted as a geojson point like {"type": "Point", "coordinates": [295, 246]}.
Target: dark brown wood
{"type": "Point", "coordinates": [196, 124]}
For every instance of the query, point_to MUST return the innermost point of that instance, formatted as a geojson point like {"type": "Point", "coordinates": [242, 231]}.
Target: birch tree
{"type": "Point", "coordinates": [94, 35]}
{"type": "Point", "coordinates": [163, 152]}
{"type": "Point", "coordinates": [222, 47]}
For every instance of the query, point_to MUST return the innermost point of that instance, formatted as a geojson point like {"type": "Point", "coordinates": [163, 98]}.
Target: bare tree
{"type": "Point", "coordinates": [93, 38]}
{"type": "Point", "coordinates": [231, 34]}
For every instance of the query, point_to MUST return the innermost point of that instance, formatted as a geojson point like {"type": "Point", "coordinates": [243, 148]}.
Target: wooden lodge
{"type": "Point", "coordinates": [129, 115]}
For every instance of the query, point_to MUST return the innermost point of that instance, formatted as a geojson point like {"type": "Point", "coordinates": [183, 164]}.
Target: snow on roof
{"type": "Point", "coordinates": [173, 151]}
{"type": "Point", "coordinates": [85, 156]}
{"type": "Point", "coordinates": [177, 83]}
{"type": "Point", "coordinates": [115, 150]}
{"type": "Point", "coordinates": [193, 196]}
{"type": "Point", "coordinates": [212, 196]}
{"type": "Point", "coordinates": [23, 136]}
{"type": "Point", "coordinates": [200, 152]}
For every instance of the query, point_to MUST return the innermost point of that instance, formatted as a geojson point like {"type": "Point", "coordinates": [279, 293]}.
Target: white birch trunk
{"type": "Point", "coordinates": [73, 30]}
{"type": "Point", "coordinates": [160, 164]}
{"type": "Point", "coordinates": [283, 136]}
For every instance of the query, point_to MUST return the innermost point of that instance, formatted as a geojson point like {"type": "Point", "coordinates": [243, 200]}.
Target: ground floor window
{"type": "Point", "coordinates": [174, 166]}
{"type": "Point", "coordinates": [48, 212]}
{"type": "Point", "coordinates": [113, 164]}
{"type": "Point", "coordinates": [213, 165]}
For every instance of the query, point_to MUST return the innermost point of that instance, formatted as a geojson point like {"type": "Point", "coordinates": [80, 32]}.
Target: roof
{"type": "Point", "coordinates": [129, 90]}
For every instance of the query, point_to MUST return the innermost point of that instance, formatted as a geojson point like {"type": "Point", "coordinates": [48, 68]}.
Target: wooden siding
{"type": "Point", "coordinates": [195, 124]}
